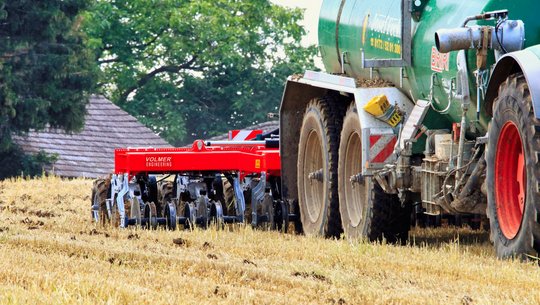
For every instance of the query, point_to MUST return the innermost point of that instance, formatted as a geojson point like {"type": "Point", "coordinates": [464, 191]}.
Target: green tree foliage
{"type": "Point", "coordinates": [46, 71]}
{"type": "Point", "coordinates": [191, 69]}
{"type": "Point", "coordinates": [16, 163]}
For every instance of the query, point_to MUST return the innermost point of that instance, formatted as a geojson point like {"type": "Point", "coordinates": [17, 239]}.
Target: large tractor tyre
{"type": "Point", "coordinates": [317, 168]}
{"type": "Point", "coordinates": [512, 172]}
{"type": "Point", "coordinates": [366, 211]}
{"type": "Point", "coordinates": [100, 193]}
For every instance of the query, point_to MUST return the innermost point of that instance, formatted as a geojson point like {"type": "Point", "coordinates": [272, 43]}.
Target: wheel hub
{"type": "Point", "coordinates": [316, 175]}
{"type": "Point", "coordinates": [355, 188]}
{"type": "Point", "coordinates": [313, 187]}
{"type": "Point", "coordinates": [510, 180]}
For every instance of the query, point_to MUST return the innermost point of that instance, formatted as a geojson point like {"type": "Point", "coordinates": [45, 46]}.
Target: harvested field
{"type": "Point", "coordinates": [51, 253]}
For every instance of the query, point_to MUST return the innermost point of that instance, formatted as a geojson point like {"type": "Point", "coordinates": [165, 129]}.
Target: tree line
{"type": "Point", "coordinates": [186, 69]}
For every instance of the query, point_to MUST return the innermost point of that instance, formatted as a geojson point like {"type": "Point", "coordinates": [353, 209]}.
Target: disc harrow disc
{"type": "Point", "coordinates": [170, 216]}
{"type": "Point", "coordinates": [150, 213]}
{"type": "Point", "coordinates": [216, 214]}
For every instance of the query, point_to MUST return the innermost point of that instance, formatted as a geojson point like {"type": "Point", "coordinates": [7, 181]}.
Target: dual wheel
{"type": "Point", "coordinates": [333, 197]}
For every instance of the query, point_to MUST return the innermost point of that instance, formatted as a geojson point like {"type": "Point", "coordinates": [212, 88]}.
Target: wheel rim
{"type": "Point", "coordinates": [354, 191]}
{"type": "Point", "coordinates": [96, 203]}
{"type": "Point", "coordinates": [510, 180]}
{"type": "Point", "coordinates": [313, 188]}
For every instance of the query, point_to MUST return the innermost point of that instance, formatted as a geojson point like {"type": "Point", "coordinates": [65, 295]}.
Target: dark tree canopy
{"type": "Point", "coordinates": [191, 69]}
{"type": "Point", "coordinates": [46, 71]}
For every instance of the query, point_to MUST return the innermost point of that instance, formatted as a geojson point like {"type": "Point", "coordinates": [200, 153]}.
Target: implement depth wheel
{"type": "Point", "coordinates": [512, 174]}
{"type": "Point", "coordinates": [366, 211]}
{"type": "Point", "coordinates": [164, 196]}
{"type": "Point", "coordinates": [317, 168]}
{"type": "Point", "coordinates": [100, 193]}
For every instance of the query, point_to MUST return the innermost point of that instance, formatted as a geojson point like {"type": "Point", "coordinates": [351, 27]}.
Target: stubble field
{"type": "Point", "coordinates": [51, 253]}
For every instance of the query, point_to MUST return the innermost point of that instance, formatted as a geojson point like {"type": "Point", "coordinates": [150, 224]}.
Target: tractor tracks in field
{"type": "Point", "coordinates": [196, 260]}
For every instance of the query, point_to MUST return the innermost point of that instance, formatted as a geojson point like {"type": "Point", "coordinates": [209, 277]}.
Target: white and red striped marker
{"type": "Point", "coordinates": [381, 147]}
{"type": "Point", "coordinates": [244, 135]}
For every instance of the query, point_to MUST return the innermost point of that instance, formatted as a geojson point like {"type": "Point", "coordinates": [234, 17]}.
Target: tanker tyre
{"type": "Point", "coordinates": [317, 168]}
{"type": "Point", "coordinates": [386, 218]}
{"type": "Point", "coordinates": [366, 211]}
{"type": "Point", "coordinates": [353, 195]}
{"type": "Point", "coordinates": [512, 175]}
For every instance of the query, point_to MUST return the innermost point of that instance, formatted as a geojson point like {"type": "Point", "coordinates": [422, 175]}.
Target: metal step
{"type": "Point", "coordinates": [413, 123]}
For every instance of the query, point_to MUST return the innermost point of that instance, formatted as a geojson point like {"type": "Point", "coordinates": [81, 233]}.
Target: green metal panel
{"type": "Point", "coordinates": [327, 34]}
{"type": "Point", "coordinates": [374, 27]}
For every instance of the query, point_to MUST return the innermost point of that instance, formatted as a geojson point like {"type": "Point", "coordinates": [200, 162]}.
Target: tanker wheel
{"type": "Point", "coordinates": [512, 174]}
{"type": "Point", "coordinates": [100, 193]}
{"type": "Point", "coordinates": [317, 168]}
{"type": "Point", "coordinates": [366, 211]}
{"type": "Point", "coordinates": [386, 218]}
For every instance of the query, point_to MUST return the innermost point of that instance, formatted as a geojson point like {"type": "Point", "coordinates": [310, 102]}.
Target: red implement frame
{"type": "Point", "coordinates": [245, 159]}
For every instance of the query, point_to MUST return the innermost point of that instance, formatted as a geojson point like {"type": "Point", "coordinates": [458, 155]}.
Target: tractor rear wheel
{"type": "Point", "coordinates": [366, 211]}
{"type": "Point", "coordinates": [512, 172]}
{"type": "Point", "coordinates": [317, 168]}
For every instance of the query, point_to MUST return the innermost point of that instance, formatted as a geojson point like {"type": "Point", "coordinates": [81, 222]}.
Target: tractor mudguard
{"type": "Point", "coordinates": [526, 61]}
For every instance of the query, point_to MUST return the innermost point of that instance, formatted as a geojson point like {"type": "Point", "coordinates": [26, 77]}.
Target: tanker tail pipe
{"type": "Point", "coordinates": [506, 36]}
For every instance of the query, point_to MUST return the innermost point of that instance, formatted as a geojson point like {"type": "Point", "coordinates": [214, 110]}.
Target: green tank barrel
{"type": "Point", "coordinates": [353, 30]}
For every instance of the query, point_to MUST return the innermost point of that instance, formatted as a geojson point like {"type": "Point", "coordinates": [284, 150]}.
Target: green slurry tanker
{"type": "Point", "coordinates": [426, 105]}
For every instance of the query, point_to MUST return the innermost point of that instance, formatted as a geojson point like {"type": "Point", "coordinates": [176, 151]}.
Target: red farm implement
{"type": "Point", "coordinates": [210, 182]}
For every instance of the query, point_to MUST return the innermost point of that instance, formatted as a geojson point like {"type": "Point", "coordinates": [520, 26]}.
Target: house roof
{"type": "Point", "coordinates": [90, 153]}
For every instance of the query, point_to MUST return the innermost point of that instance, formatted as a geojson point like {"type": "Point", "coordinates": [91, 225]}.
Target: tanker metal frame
{"type": "Point", "coordinates": [468, 93]}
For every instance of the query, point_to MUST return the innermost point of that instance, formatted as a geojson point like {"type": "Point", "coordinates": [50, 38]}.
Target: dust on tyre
{"type": "Point", "coordinates": [317, 168]}
{"type": "Point", "coordinates": [512, 174]}
{"type": "Point", "coordinates": [366, 210]}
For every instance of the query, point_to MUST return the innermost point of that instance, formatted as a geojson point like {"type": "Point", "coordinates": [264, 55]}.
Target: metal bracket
{"type": "Point", "coordinates": [136, 209]}
{"type": "Point", "coordinates": [257, 196]}
{"type": "Point", "coordinates": [240, 200]}
{"type": "Point", "coordinates": [120, 199]}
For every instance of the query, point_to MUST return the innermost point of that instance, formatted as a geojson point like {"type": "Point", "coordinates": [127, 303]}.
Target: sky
{"type": "Point", "coordinates": [311, 16]}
